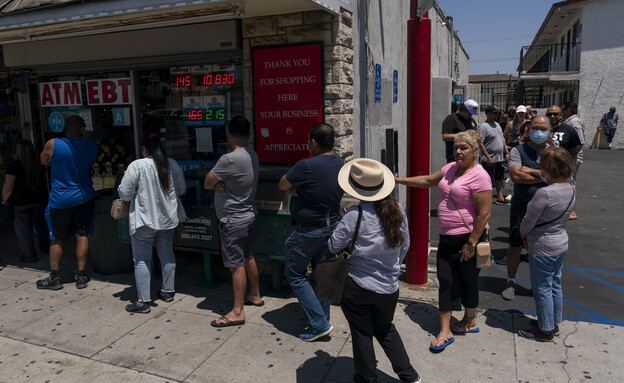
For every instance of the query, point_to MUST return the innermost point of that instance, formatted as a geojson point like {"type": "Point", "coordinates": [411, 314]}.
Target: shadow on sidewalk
{"type": "Point", "coordinates": [423, 314]}
{"type": "Point", "coordinates": [289, 320]}
{"type": "Point", "coordinates": [341, 369]}
{"type": "Point", "coordinates": [505, 320]}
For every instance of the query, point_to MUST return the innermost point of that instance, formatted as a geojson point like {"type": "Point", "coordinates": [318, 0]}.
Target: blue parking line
{"type": "Point", "coordinates": [590, 316]}
{"type": "Point", "coordinates": [585, 273]}
{"type": "Point", "coordinates": [614, 272]}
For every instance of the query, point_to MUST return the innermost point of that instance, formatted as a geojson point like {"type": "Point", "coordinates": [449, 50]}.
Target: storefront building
{"type": "Point", "coordinates": [183, 69]}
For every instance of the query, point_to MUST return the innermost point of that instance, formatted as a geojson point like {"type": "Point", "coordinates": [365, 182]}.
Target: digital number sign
{"type": "Point", "coordinates": [211, 114]}
{"type": "Point", "coordinates": [204, 116]}
{"type": "Point", "coordinates": [218, 79]}
{"type": "Point", "coordinates": [201, 81]}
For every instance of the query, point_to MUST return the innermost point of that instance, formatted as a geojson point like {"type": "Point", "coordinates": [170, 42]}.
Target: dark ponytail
{"type": "Point", "coordinates": [155, 149]}
{"type": "Point", "coordinates": [25, 152]}
{"type": "Point", "coordinates": [391, 219]}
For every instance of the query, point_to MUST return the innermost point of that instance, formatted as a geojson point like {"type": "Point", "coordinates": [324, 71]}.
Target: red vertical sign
{"type": "Point", "coordinates": [288, 100]}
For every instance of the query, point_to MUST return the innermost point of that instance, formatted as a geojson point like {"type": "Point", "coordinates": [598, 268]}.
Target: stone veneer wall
{"type": "Point", "coordinates": [336, 32]}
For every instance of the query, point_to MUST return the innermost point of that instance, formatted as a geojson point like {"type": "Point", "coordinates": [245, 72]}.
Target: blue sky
{"type": "Point", "coordinates": [493, 31]}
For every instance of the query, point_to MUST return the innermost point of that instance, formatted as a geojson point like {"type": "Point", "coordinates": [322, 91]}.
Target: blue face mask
{"type": "Point", "coordinates": [544, 179]}
{"type": "Point", "coordinates": [538, 136]}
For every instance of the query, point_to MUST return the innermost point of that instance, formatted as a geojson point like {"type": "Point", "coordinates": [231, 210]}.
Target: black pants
{"type": "Point", "coordinates": [370, 314]}
{"type": "Point", "coordinates": [25, 217]}
{"type": "Point", "coordinates": [459, 281]}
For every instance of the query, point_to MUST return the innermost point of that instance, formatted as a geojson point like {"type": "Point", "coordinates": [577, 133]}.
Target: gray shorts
{"type": "Point", "coordinates": [237, 240]}
{"type": "Point", "coordinates": [577, 166]}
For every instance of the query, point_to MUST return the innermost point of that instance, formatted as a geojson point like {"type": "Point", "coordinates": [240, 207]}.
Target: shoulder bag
{"type": "Point", "coordinates": [483, 252]}
{"type": "Point", "coordinates": [120, 209]}
{"type": "Point", "coordinates": [331, 272]}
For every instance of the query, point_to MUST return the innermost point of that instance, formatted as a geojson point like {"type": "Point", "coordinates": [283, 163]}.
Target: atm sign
{"type": "Point", "coordinates": [61, 93]}
{"type": "Point", "coordinates": [99, 92]}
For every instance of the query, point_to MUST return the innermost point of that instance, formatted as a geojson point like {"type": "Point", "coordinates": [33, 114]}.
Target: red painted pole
{"type": "Point", "coordinates": [418, 137]}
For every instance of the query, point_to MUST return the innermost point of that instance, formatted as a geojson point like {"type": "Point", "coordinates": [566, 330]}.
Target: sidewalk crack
{"type": "Point", "coordinates": [567, 348]}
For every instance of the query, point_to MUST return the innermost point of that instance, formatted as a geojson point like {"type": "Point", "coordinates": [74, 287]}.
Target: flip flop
{"type": "Point", "coordinates": [250, 303]}
{"type": "Point", "coordinates": [459, 330]}
{"type": "Point", "coordinates": [227, 323]}
{"type": "Point", "coordinates": [440, 348]}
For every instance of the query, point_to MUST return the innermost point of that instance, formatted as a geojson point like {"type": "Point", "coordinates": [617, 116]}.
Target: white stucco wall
{"type": "Point", "coordinates": [602, 56]}
{"type": "Point", "coordinates": [387, 38]}
{"type": "Point", "coordinates": [448, 58]}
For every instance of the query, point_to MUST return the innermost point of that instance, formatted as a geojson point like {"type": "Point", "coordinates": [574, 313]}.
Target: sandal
{"type": "Point", "coordinates": [440, 348]}
{"type": "Point", "coordinates": [457, 329]}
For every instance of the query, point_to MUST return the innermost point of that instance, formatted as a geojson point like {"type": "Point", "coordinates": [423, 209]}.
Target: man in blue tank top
{"type": "Point", "coordinates": [71, 205]}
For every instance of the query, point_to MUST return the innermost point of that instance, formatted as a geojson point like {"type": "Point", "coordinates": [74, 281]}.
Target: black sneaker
{"type": "Point", "coordinates": [165, 296]}
{"type": "Point", "coordinates": [537, 334]}
{"type": "Point", "coordinates": [137, 308]}
{"type": "Point", "coordinates": [555, 331]}
{"type": "Point", "coordinates": [50, 284]}
{"type": "Point", "coordinates": [81, 280]}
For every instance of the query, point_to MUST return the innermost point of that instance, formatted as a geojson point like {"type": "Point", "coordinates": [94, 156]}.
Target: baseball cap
{"type": "Point", "coordinates": [521, 109]}
{"type": "Point", "coordinates": [472, 106]}
{"type": "Point", "coordinates": [491, 109]}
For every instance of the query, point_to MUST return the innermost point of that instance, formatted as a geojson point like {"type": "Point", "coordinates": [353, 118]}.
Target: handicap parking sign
{"type": "Point", "coordinates": [56, 122]}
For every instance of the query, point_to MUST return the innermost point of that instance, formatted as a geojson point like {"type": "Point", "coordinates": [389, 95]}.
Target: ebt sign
{"type": "Point", "coordinates": [116, 91]}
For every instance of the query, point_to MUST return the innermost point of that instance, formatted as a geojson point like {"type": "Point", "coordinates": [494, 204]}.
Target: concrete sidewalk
{"type": "Point", "coordinates": [85, 335]}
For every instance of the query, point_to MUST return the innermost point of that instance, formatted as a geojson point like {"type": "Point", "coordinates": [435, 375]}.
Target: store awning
{"type": "Point", "coordinates": [32, 20]}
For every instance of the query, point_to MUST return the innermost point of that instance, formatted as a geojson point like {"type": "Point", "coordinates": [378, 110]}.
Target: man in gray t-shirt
{"type": "Point", "coordinates": [492, 139]}
{"type": "Point", "coordinates": [235, 178]}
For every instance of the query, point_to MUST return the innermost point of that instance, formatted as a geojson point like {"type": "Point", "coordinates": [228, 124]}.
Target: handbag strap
{"type": "Point", "coordinates": [460, 213]}
{"type": "Point", "coordinates": [355, 233]}
{"type": "Point", "coordinates": [560, 215]}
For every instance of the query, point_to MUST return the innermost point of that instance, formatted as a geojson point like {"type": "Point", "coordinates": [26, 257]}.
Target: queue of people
{"type": "Point", "coordinates": [541, 166]}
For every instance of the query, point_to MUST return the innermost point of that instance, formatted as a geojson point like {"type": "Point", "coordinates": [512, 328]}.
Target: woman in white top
{"type": "Point", "coordinates": [512, 133]}
{"type": "Point", "coordinates": [152, 185]}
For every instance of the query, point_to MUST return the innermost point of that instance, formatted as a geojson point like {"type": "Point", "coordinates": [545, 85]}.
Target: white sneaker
{"type": "Point", "coordinates": [508, 198]}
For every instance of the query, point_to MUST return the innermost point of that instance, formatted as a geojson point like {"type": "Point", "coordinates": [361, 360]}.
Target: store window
{"type": "Point", "coordinates": [189, 107]}
{"type": "Point", "coordinates": [104, 101]}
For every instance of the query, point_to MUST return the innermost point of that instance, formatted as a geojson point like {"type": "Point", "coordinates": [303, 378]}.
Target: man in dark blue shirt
{"type": "Point", "coordinates": [315, 196]}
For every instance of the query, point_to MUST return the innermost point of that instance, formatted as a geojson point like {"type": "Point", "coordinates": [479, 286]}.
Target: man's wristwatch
{"type": "Point", "coordinates": [473, 244]}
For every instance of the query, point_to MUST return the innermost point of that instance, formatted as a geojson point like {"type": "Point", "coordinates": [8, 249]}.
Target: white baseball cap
{"type": "Point", "coordinates": [521, 109]}
{"type": "Point", "coordinates": [472, 106]}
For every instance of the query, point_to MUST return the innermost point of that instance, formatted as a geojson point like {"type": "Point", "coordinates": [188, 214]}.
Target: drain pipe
{"type": "Point", "coordinates": [418, 141]}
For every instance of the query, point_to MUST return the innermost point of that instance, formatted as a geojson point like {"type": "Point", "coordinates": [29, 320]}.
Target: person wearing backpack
{"type": "Point", "coordinates": [609, 124]}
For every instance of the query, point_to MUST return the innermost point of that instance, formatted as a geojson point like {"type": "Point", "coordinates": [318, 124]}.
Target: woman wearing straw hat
{"type": "Point", "coordinates": [371, 291]}
{"type": "Point", "coordinates": [465, 201]}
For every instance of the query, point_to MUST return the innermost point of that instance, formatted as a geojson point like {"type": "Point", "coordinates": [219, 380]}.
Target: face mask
{"type": "Point", "coordinates": [538, 136]}
{"type": "Point", "coordinates": [544, 179]}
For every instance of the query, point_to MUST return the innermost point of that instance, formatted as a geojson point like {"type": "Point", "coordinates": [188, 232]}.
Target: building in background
{"type": "Point", "coordinates": [576, 56]}
{"type": "Point", "coordinates": [494, 89]}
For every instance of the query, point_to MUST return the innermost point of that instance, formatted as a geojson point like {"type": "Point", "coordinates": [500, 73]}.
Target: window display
{"type": "Point", "coordinates": [189, 108]}
{"type": "Point", "coordinates": [104, 101]}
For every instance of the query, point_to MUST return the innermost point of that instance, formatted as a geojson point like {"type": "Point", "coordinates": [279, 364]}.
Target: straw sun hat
{"type": "Point", "coordinates": [366, 179]}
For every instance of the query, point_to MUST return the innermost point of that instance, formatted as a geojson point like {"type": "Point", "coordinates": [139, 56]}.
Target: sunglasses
{"type": "Point", "coordinates": [553, 114]}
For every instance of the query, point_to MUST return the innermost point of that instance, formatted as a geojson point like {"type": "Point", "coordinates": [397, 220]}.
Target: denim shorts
{"type": "Point", "coordinates": [236, 240]}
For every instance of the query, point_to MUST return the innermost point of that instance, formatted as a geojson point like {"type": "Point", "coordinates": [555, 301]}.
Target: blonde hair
{"type": "Point", "coordinates": [471, 137]}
